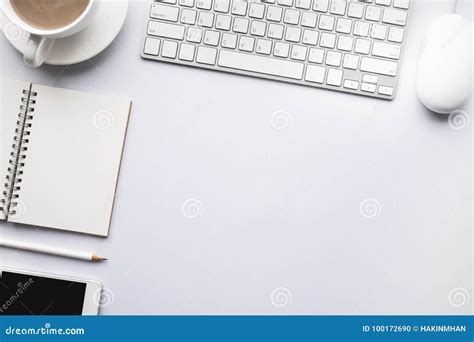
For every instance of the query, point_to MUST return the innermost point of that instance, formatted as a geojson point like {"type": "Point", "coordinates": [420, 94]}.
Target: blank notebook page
{"type": "Point", "coordinates": [73, 160]}
{"type": "Point", "coordinates": [11, 93]}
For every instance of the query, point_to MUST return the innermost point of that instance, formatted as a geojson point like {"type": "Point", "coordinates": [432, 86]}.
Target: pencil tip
{"type": "Point", "coordinates": [96, 258]}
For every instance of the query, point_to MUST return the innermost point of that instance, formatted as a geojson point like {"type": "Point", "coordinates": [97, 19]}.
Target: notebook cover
{"type": "Point", "coordinates": [73, 160]}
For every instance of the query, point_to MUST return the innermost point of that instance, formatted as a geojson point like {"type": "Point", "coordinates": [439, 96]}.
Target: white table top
{"type": "Point", "coordinates": [277, 208]}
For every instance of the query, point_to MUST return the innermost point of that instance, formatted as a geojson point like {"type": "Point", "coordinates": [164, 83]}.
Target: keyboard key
{"type": "Point", "coordinates": [351, 62]}
{"type": "Point", "coordinates": [194, 35]}
{"type": "Point", "coordinates": [378, 31]}
{"type": "Point", "coordinates": [291, 17]}
{"type": "Point", "coordinates": [206, 19]}
{"type": "Point", "coordinates": [345, 43]}
{"type": "Point", "coordinates": [316, 55]}
{"type": "Point", "coordinates": [274, 13]}
{"type": "Point", "coordinates": [152, 46]}
{"type": "Point", "coordinates": [344, 25]}
{"type": "Point", "coordinates": [206, 55]}
{"type": "Point", "coordinates": [293, 34]}
{"type": "Point", "coordinates": [303, 4]}
{"type": "Point", "coordinates": [391, 51]}
{"type": "Point", "coordinates": [403, 4]}
{"type": "Point", "coordinates": [256, 10]}
{"type": "Point", "coordinates": [211, 38]}
{"type": "Point", "coordinates": [222, 6]}
{"type": "Point", "coordinates": [321, 5]}
{"type": "Point", "coordinates": [328, 40]}
{"type": "Point", "coordinates": [334, 77]}
{"type": "Point", "coordinates": [326, 23]}
{"type": "Point", "coordinates": [264, 46]}
{"type": "Point", "coordinates": [258, 28]}
{"type": "Point", "coordinates": [315, 74]}
{"type": "Point", "coordinates": [239, 7]}
{"type": "Point", "coordinates": [383, 2]}
{"type": "Point", "coordinates": [169, 49]}
{"type": "Point", "coordinates": [395, 17]}
{"type": "Point", "coordinates": [281, 49]}
{"type": "Point", "coordinates": [187, 3]}
{"type": "Point", "coordinates": [333, 58]}
{"type": "Point", "coordinates": [204, 4]}
{"type": "Point", "coordinates": [338, 7]}
{"type": "Point", "coordinates": [310, 37]}
{"type": "Point", "coordinates": [261, 64]}
{"type": "Point", "coordinates": [172, 2]}
{"type": "Point", "coordinates": [165, 30]}
{"type": "Point", "coordinates": [223, 22]}
{"type": "Point", "coordinates": [351, 84]}
{"type": "Point", "coordinates": [373, 13]}
{"type": "Point", "coordinates": [188, 16]}
{"type": "Point", "coordinates": [288, 3]}
{"type": "Point", "coordinates": [309, 19]}
{"type": "Point", "coordinates": [367, 87]}
{"type": "Point", "coordinates": [229, 40]}
{"type": "Point", "coordinates": [275, 31]}
{"type": "Point", "coordinates": [395, 34]}
{"type": "Point", "coordinates": [246, 43]}
{"type": "Point", "coordinates": [384, 90]}
{"type": "Point", "coordinates": [186, 52]}
{"type": "Point", "coordinates": [370, 79]}
{"type": "Point", "coordinates": [298, 52]}
{"type": "Point", "coordinates": [362, 46]}
{"type": "Point", "coordinates": [241, 25]}
{"type": "Point", "coordinates": [164, 12]}
{"type": "Point", "coordinates": [361, 28]}
{"type": "Point", "coordinates": [379, 66]}
{"type": "Point", "coordinates": [356, 10]}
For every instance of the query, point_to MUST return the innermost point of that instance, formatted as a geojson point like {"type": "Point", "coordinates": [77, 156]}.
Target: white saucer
{"type": "Point", "coordinates": [82, 46]}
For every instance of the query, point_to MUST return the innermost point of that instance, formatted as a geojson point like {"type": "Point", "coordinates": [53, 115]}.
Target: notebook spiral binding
{"type": "Point", "coordinates": [9, 202]}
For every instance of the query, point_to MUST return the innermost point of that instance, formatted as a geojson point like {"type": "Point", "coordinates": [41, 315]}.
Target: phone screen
{"type": "Point", "coordinates": [25, 294]}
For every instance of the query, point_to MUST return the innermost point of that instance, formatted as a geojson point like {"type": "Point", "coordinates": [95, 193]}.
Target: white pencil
{"type": "Point", "coordinates": [51, 250]}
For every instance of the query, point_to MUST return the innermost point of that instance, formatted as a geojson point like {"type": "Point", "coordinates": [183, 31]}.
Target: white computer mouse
{"type": "Point", "coordinates": [444, 77]}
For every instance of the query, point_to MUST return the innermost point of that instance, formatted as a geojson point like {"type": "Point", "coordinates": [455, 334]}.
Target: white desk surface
{"type": "Point", "coordinates": [280, 208]}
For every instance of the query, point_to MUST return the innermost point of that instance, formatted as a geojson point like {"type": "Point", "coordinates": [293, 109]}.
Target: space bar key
{"type": "Point", "coordinates": [259, 64]}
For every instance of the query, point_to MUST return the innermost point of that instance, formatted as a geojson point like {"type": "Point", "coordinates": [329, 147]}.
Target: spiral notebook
{"type": "Point", "coordinates": [60, 156]}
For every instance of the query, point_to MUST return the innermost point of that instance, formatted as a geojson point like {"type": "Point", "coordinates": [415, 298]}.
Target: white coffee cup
{"type": "Point", "coordinates": [41, 41]}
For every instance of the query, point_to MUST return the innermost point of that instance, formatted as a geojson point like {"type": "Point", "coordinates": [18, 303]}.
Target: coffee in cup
{"type": "Point", "coordinates": [49, 14]}
{"type": "Point", "coordinates": [46, 21]}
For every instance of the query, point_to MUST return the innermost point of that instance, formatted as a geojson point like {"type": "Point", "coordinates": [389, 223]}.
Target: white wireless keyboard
{"type": "Point", "coordinates": [350, 46]}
